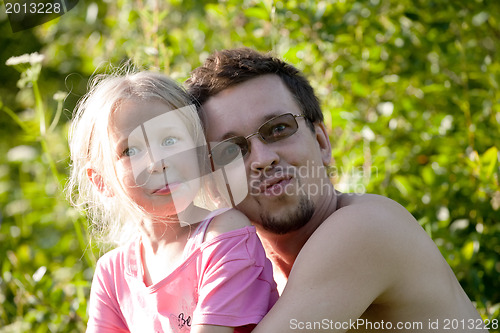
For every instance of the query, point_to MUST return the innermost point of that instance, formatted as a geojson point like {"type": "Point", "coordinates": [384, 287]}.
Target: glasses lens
{"type": "Point", "coordinates": [227, 151]}
{"type": "Point", "coordinates": [279, 128]}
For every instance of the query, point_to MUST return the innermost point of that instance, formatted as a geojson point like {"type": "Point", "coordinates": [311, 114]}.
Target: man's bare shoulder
{"type": "Point", "coordinates": [370, 259]}
{"type": "Point", "coordinates": [358, 257]}
{"type": "Point", "coordinates": [383, 237]}
{"type": "Point", "coordinates": [360, 201]}
{"type": "Point", "coordinates": [377, 229]}
{"type": "Point", "coordinates": [373, 231]}
{"type": "Point", "coordinates": [370, 211]}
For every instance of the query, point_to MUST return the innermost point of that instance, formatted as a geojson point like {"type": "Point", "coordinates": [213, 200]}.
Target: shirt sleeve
{"type": "Point", "coordinates": [104, 311]}
{"type": "Point", "coordinates": [236, 286]}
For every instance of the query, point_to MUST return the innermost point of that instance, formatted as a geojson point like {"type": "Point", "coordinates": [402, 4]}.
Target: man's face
{"type": "Point", "coordinates": [285, 177]}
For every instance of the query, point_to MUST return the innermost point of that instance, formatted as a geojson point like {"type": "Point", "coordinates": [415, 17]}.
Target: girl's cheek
{"type": "Point", "coordinates": [129, 181]}
{"type": "Point", "coordinates": [125, 177]}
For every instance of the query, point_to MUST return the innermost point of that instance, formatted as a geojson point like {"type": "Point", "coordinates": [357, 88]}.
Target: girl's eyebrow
{"type": "Point", "coordinates": [159, 126]}
{"type": "Point", "coordinates": [121, 146]}
{"type": "Point", "coordinates": [123, 141]}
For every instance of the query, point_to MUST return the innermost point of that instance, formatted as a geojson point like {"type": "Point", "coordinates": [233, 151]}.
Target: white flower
{"type": "Point", "coordinates": [33, 59]}
{"type": "Point", "coordinates": [367, 133]}
{"type": "Point", "coordinates": [13, 61]}
{"type": "Point", "coordinates": [385, 108]}
{"type": "Point", "coordinates": [151, 51]}
{"type": "Point", "coordinates": [21, 153]}
{"type": "Point", "coordinates": [40, 272]}
{"type": "Point", "coordinates": [59, 96]}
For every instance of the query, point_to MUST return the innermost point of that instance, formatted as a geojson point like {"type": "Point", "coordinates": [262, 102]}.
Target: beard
{"type": "Point", "coordinates": [294, 220]}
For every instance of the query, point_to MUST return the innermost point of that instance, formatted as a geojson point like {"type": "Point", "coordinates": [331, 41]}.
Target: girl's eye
{"type": "Point", "coordinates": [130, 151]}
{"type": "Point", "coordinates": [169, 141]}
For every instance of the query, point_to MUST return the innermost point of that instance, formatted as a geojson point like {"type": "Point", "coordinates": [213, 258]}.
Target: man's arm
{"type": "Point", "coordinates": [348, 263]}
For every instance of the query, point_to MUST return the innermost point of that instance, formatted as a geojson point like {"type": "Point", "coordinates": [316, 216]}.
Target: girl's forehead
{"type": "Point", "coordinates": [131, 114]}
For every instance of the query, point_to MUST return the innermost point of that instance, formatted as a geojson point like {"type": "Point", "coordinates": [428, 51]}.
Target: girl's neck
{"type": "Point", "coordinates": [158, 233]}
{"type": "Point", "coordinates": [162, 250]}
{"type": "Point", "coordinates": [163, 242]}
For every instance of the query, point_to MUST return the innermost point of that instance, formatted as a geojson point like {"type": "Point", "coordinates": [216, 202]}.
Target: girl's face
{"type": "Point", "coordinates": [156, 161]}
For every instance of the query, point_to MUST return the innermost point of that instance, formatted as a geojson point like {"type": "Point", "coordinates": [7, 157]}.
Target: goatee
{"type": "Point", "coordinates": [292, 221]}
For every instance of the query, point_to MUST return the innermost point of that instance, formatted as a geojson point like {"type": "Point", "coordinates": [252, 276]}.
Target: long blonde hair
{"type": "Point", "coordinates": [110, 214]}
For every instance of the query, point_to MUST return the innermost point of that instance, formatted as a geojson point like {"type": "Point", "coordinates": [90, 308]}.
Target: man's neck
{"type": "Point", "coordinates": [282, 250]}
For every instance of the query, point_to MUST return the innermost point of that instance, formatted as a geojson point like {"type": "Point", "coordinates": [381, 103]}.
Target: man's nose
{"type": "Point", "coordinates": [261, 155]}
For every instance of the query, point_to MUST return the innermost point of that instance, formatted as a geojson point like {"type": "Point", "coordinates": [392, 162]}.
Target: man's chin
{"type": "Point", "coordinates": [257, 207]}
{"type": "Point", "coordinates": [283, 221]}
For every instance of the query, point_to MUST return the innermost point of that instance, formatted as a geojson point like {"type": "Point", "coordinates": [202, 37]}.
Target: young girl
{"type": "Point", "coordinates": [139, 168]}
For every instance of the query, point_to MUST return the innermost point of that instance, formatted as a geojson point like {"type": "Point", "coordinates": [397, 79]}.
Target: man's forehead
{"type": "Point", "coordinates": [241, 109]}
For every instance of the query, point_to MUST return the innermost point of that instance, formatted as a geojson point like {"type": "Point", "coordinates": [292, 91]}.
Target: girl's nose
{"type": "Point", "coordinates": [157, 166]}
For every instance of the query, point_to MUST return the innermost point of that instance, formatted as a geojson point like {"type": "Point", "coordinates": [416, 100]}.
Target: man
{"type": "Point", "coordinates": [349, 262]}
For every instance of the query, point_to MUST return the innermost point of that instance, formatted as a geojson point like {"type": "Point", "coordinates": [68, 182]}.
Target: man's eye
{"type": "Point", "coordinates": [230, 151]}
{"type": "Point", "coordinates": [278, 129]}
{"type": "Point", "coordinates": [169, 141]}
{"type": "Point", "coordinates": [225, 153]}
{"type": "Point", "coordinates": [130, 151]}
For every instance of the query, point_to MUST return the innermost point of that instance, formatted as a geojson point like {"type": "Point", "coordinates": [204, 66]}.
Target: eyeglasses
{"type": "Point", "coordinates": [275, 129]}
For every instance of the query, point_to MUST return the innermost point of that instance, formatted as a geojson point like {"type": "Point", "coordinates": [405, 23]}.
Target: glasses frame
{"type": "Point", "coordinates": [258, 132]}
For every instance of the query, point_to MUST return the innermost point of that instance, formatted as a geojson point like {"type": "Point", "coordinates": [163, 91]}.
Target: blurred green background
{"type": "Point", "coordinates": [409, 89]}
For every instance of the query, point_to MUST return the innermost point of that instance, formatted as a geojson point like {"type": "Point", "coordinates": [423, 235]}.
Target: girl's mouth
{"type": "Point", "coordinates": [167, 189]}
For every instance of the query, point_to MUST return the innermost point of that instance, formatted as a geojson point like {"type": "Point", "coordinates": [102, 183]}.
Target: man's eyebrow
{"type": "Point", "coordinates": [232, 134]}
{"type": "Point", "coordinates": [228, 135]}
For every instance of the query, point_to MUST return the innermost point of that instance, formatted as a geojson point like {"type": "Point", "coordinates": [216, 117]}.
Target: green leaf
{"type": "Point", "coordinates": [402, 184]}
{"type": "Point", "coordinates": [469, 248]}
{"type": "Point", "coordinates": [489, 161]}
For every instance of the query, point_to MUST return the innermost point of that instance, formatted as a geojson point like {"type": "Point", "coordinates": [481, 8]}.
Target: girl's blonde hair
{"type": "Point", "coordinates": [109, 209]}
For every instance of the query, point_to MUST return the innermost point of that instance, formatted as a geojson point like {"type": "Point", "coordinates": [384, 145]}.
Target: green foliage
{"type": "Point", "coordinates": [44, 282]}
{"type": "Point", "coordinates": [409, 91]}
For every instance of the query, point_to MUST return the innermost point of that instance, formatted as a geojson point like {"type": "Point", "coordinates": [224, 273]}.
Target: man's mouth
{"type": "Point", "coordinates": [275, 186]}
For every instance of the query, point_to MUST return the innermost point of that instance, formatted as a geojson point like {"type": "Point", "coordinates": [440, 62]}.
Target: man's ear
{"type": "Point", "coordinates": [96, 179]}
{"type": "Point", "coordinates": [324, 142]}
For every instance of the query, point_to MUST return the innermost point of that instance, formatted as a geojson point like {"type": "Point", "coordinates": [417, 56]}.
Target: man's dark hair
{"type": "Point", "coordinates": [227, 68]}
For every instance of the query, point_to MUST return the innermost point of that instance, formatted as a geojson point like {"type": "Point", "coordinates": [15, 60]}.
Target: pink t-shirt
{"type": "Point", "coordinates": [225, 281]}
